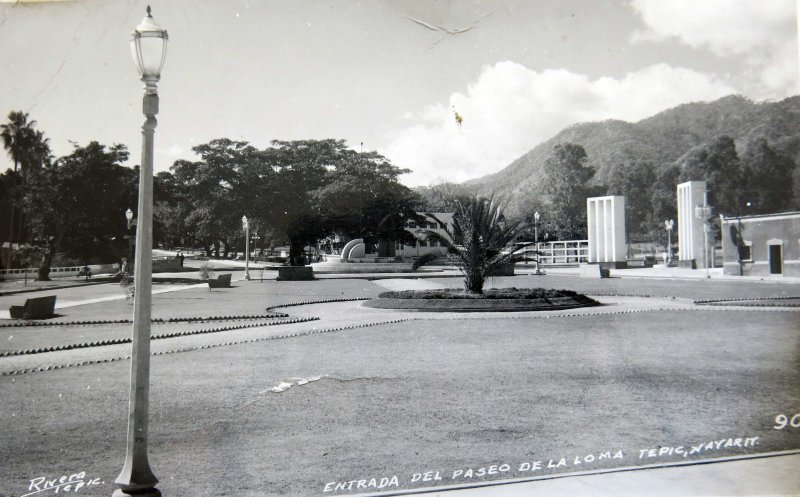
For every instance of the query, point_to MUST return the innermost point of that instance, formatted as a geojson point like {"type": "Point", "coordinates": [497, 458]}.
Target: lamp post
{"type": "Point", "coordinates": [246, 227]}
{"type": "Point", "coordinates": [256, 238]}
{"type": "Point", "coordinates": [149, 48]}
{"type": "Point", "coordinates": [131, 242]}
{"type": "Point", "coordinates": [536, 217]}
{"type": "Point", "coordinates": [669, 225]}
{"type": "Point", "coordinates": [704, 212]}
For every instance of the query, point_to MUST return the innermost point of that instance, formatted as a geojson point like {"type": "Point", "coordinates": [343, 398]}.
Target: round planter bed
{"type": "Point", "coordinates": [494, 300]}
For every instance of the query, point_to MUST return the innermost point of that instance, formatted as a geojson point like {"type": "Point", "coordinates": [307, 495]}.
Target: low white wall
{"type": "Point", "coordinates": [57, 272]}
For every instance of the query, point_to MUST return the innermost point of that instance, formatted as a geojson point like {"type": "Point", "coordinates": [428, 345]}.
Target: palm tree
{"type": "Point", "coordinates": [16, 136]}
{"type": "Point", "coordinates": [29, 149]}
{"type": "Point", "coordinates": [480, 242]}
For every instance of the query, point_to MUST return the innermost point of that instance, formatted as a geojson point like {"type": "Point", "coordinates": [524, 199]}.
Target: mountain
{"type": "Point", "coordinates": [661, 139]}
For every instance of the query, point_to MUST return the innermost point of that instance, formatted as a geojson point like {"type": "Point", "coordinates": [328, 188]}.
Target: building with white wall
{"type": "Point", "coordinates": [768, 244]}
{"type": "Point", "coordinates": [439, 222]}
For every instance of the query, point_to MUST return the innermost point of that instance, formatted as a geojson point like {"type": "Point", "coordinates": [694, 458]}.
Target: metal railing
{"type": "Point", "coordinates": [56, 272]}
{"type": "Point", "coordinates": [558, 253]}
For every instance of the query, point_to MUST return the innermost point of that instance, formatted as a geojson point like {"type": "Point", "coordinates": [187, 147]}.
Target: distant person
{"type": "Point", "coordinates": [180, 259]}
{"type": "Point", "coordinates": [85, 272]}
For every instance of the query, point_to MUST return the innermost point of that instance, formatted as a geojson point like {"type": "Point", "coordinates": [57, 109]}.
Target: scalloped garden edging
{"type": "Point", "coordinates": [494, 300]}
{"type": "Point", "coordinates": [775, 301]}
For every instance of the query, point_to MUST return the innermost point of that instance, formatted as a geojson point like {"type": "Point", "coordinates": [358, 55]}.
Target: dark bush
{"type": "Point", "coordinates": [494, 293]}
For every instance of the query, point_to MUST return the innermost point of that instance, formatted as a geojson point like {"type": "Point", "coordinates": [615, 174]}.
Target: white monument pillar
{"type": "Point", "coordinates": [606, 223]}
{"type": "Point", "coordinates": [690, 229]}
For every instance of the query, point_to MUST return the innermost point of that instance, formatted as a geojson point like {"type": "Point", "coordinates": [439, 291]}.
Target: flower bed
{"type": "Point", "coordinates": [493, 300]}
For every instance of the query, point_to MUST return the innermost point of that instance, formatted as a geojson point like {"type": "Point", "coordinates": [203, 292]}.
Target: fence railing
{"type": "Point", "coordinates": [561, 252]}
{"type": "Point", "coordinates": [56, 272]}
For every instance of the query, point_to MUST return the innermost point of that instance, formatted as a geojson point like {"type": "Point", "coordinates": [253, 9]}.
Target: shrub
{"type": "Point", "coordinates": [206, 272]}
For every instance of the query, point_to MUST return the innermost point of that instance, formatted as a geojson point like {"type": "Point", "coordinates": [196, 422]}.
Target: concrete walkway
{"type": "Point", "coordinates": [764, 475]}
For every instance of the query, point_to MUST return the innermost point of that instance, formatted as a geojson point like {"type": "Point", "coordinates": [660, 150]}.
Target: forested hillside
{"type": "Point", "coordinates": [674, 145]}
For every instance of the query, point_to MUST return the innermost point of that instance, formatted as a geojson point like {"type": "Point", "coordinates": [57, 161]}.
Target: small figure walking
{"type": "Point", "coordinates": [85, 272]}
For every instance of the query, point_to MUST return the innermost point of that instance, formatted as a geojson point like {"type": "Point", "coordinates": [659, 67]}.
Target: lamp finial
{"type": "Point", "coordinates": [148, 12]}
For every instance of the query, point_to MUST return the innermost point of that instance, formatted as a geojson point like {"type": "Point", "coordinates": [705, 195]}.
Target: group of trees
{"type": "Point", "coordinates": [758, 182]}
{"type": "Point", "coordinates": [30, 151]}
{"type": "Point", "coordinates": [292, 192]}
{"type": "Point", "coordinates": [72, 205]}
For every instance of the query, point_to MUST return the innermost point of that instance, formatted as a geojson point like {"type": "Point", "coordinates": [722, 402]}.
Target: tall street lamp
{"type": "Point", "coordinates": [246, 227]}
{"type": "Point", "coordinates": [536, 217]}
{"type": "Point", "coordinates": [669, 225]}
{"type": "Point", "coordinates": [149, 48]}
{"type": "Point", "coordinates": [131, 242]}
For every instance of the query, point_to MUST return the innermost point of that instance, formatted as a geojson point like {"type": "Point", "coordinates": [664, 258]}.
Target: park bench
{"type": "Point", "coordinates": [36, 308]}
{"type": "Point", "coordinates": [222, 281]}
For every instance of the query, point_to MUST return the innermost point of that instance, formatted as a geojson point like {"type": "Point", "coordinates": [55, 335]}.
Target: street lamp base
{"type": "Point", "coordinates": [247, 276]}
{"type": "Point", "coordinates": [149, 492]}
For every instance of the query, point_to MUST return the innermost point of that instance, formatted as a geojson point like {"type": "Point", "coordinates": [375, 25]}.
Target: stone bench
{"type": "Point", "coordinates": [640, 263]}
{"type": "Point", "coordinates": [295, 273]}
{"type": "Point", "coordinates": [222, 281]}
{"type": "Point", "coordinates": [36, 308]}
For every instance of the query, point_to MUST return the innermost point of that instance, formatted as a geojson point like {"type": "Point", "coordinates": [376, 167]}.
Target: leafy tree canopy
{"type": "Point", "coordinates": [634, 180]}
{"type": "Point", "coordinates": [298, 191]}
{"type": "Point", "coordinates": [77, 204]}
{"type": "Point", "coordinates": [566, 183]}
{"type": "Point", "coordinates": [767, 184]}
{"type": "Point", "coordinates": [717, 163]}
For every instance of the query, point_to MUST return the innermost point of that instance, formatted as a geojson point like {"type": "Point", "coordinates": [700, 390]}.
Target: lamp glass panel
{"type": "Point", "coordinates": [135, 54]}
{"type": "Point", "coordinates": [152, 50]}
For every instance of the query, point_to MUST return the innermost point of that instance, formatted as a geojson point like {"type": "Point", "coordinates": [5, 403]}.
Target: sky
{"type": "Point", "coordinates": [388, 74]}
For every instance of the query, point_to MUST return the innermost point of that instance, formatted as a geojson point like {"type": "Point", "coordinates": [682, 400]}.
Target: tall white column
{"type": "Point", "coordinates": [690, 229]}
{"type": "Point", "coordinates": [606, 222]}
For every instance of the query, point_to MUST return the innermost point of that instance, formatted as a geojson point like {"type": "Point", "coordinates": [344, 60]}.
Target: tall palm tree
{"type": "Point", "coordinates": [29, 149]}
{"type": "Point", "coordinates": [480, 241]}
{"type": "Point", "coordinates": [13, 134]}
{"type": "Point", "coordinates": [17, 136]}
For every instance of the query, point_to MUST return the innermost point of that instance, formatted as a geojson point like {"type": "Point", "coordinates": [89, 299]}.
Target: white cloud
{"type": "Point", "coordinates": [763, 34]}
{"type": "Point", "coordinates": [510, 109]}
{"type": "Point", "coordinates": [172, 151]}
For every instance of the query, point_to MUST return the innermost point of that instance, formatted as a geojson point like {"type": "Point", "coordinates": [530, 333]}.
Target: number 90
{"type": "Point", "coordinates": [782, 421]}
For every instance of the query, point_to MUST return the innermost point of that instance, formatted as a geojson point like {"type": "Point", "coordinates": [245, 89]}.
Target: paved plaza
{"type": "Point", "coordinates": [296, 388]}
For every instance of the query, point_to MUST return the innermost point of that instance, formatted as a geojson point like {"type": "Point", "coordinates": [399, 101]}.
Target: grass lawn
{"type": "Point", "coordinates": [445, 395]}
